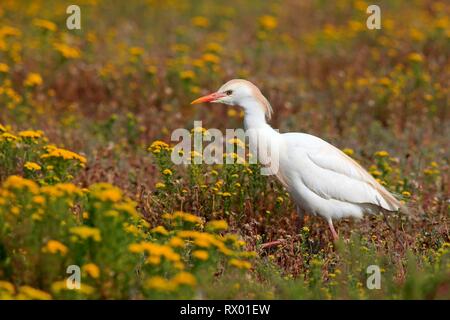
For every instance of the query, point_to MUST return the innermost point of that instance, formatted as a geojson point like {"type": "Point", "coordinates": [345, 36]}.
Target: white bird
{"type": "Point", "coordinates": [321, 179]}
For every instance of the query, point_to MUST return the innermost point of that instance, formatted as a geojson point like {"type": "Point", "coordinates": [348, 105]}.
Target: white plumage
{"type": "Point", "coordinates": [321, 178]}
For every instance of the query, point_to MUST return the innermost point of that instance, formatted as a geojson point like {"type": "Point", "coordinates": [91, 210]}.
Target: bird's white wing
{"type": "Point", "coordinates": [331, 174]}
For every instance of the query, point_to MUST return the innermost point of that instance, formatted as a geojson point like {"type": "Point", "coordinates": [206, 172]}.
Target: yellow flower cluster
{"type": "Point", "coordinates": [32, 166]}
{"type": "Point", "coordinates": [92, 270]}
{"type": "Point", "coordinates": [17, 182]}
{"type": "Point", "coordinates": [217, 225]}
{"type": "Point", "coordinates": [54, 152]}
{"type": "Point", "coordinates": [241, 264]}
{"type": "Point", "coordinates": [54, 247]}
{"type": "Point", "coordinates": [183, 216]}
{"type": "Point", "coordinates": [200, 255]}
{"type": "Point", "coordinates": [157, 146]}
{"type": "Point", "coordinates": [45, 24]}
{"type": "Point", "coordinates": [205, 240]}
{"type": "Point", "coordinates": [67, 51]}
{"type": "Point", "coordinates": [382, 154]}
{"type": "Point", "coordinates": [268, 22]}
{"type": "Point", "coordinates": [32, 80]}
{"type": "Point", "coordinates": [180, 279]}
{"type": "Point", "coordinates": [106, 192]}
{"type": "Point", "coordinates": [160, 230]}
{"type": "Point", "coordinates": [85, 232]}
{"type": "Point", "coordinates": [200, 22]}
{"type": "Point", "coordinates": [32, 134]}
{"type": "Point", "coordinates": [4, 68]}
{"type": "Point", "coordinates": [156, 252]}
{"type": "Point", "coordinates": [61, 189]}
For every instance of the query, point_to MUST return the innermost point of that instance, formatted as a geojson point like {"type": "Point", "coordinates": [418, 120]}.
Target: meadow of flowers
{"type": "Point", "coordinates": [86, 177]}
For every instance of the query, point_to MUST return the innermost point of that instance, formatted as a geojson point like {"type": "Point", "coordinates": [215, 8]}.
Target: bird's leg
{"type": "Point", "coordinates": [333, 231]}
{"type": "Point", "coordinates": [301, 214]}
{"type": "Point", "coordinates": [272, 244]}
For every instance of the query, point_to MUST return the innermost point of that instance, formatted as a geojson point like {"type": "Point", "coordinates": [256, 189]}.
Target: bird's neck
{"type": "Point", "coordinates": [254, 115]}
{"type": "Point", "coordinates": [264, 141]}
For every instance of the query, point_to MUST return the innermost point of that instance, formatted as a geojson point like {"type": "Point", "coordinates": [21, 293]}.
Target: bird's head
{"type": "Point", "coordinates": [239, 92]}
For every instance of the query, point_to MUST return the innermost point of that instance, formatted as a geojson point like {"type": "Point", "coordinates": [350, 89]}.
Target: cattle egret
{"type": "Point", "coordinates": [321, 179]}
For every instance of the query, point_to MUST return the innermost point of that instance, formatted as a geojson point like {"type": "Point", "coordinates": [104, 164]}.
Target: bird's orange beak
{"type": "Point", "coordinates": [209, 98]}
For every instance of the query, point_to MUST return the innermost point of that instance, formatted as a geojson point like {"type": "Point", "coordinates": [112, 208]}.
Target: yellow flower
{"type": "Point", "coordinates": [160, 185]}
{"type": "Point", "coordinates": [152, 70]}
{"type": "Point", "coordinates": [241, 264]}
{"type": "Point", "coordinates": [355, 25]}
{"type": "Point", "coordinates": [382, 154]}
{"type": "Point", "coordinates": [305, 229]}
{"type": "Point", "coordinates": [92, 270]}
{"type": "Point", "coordinates": [54, 152]}
{"type": "Point", "coordinates": [58, 286]}
{"type": "Point", "coordinates": [158, 146]}
{"type": "Point", "coordinates": [187, 217]}
{"type": "Point", "coordinates": [86, 232]}
{"type": "Point", "coordinates": [348, 151]}
{"type": "Point", "coordinates": [31, 293]}
{"type": "Point", "coordinates": [7, 286]}
{"type": "Point", "coordinates": [415, 57]}
{"type": "Point", "coordinates": [60, 189]}
{"type": "Point", "coordinates": [160, 230]}
{"type": "Point", "coordinates": [54, 246]}
{"type": "Point", "coordinates": [237, 142]}
{"type": "Point", "coordinates": [31, 134]}
{"type": "Point", "coordinates": [214, 47]}
{"type": "Point", "coordinates": [187, 75]}
{"type": "Point", "coordinates": [4, 68]}
{"type": "Point", "coordinates": [8, 137]}
{"type": "Point", "coordinates": [385, 81]}
{"type": "Point", "coordinates": [153, 260]}
{"type": "Point", "coordinates": [232, 112]}
{"type": "Point", "coordinates": [33, 79]}
{"type": "Point", "coordinates": [211, 58]}
{"type": "Point", "coordinates": [38, 199]}
{"type": "Point", "coordinates": [129, 207]}
{"type": "Point", "coordinates": [16, 182]}
{"type": "Point", "coordinates": [67, 51]}
{"type": "Point", "coordinates": [200, 254]}
{"type": "Point", "coordinates": [160, 284]}
{"type": "Point", "coordinates": [184, 278]}
{"type": "Point", "coordinates": [200, 22]}
{"type": "Point", "coordinates": [154, 249]}
{"type": "Point", "coordinates": [105, 192]}
{"type": "Point", "coordinates": [136, 51]}
{"type": "Point", "coordinates": [176, 242]}
{"type": "Point", "coordinates": [268, 22]}
{"type": "Point", "coordinates": [167, 172]}
{"type": "Point", "coordinates": [32, 166]}
{"type": "Point", "coordinates": [434, 164]}
{"type": "Point", "coordinates": [406, 194]}
{"type": "Point", "coordinates": [217, 225]}
{"type": "Point", "coordinates": [375, 173]}
{"type": "Point", "coordinates": [44, 24]}
{"type": "Point", "coordinates": [9, 31]}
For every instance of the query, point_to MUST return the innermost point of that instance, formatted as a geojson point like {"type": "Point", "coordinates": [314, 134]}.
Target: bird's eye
{"type": "Point", "coordinates": [228, 92]}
